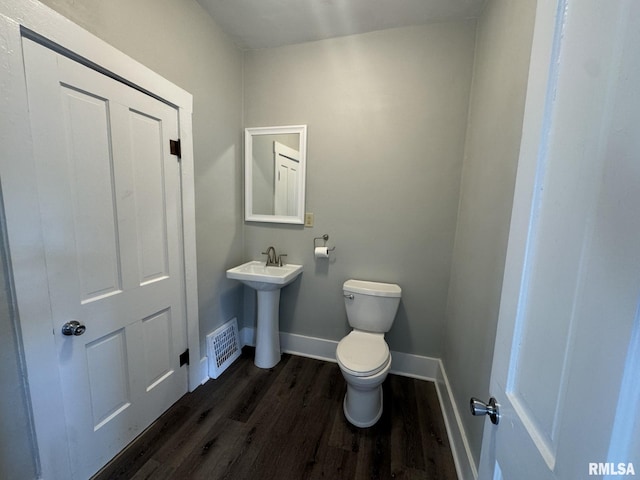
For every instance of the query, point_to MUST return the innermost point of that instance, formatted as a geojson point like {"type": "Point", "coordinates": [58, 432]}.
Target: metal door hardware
{"type": "Point", "coordinates": [73, 328]}
{"type": "Point", "coordinates": [479, 408]}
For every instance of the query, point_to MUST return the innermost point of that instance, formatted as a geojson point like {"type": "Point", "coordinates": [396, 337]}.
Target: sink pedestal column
{"type": "Point", "coordinates": [267, 329]}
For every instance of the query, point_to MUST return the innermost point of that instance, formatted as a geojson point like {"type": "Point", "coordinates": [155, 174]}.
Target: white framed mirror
{"type": "Point", "coordinates": [274, 174]}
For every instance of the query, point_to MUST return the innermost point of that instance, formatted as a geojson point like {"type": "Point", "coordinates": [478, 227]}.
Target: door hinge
{"type": "Point", "coordinates": [175, 148]}
{"type": "Point", "coordinates": [184, 358]}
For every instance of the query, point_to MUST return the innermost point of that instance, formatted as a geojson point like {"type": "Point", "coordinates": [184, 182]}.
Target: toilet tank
{"type": "Point", "coordinates": [371, 306]}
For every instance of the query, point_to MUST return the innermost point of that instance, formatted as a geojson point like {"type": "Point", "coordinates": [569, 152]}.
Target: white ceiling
{"type": "Point", "coordinates": [273, 23]}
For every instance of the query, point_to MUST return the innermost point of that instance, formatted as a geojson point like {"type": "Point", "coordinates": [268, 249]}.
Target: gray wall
{"type": "Point", "coordinates": [496, 110]}
{"type": "Point", "coordinates": [180, 41]}
{"type": "Point", "coordinates": [386, 115]}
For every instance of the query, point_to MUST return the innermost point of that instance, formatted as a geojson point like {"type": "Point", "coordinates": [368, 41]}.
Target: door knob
{"type": "Point", "coordinates": [480, 408]}
{"type": "Point", "coordinates": [73, 328]}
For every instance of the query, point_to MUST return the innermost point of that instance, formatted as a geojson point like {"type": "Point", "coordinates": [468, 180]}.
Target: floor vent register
{"type": "Point", "coordinates": [223, 347]}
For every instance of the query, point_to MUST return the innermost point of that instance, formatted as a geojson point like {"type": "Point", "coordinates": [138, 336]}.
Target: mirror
{"type": "Point", "coordinates": [274, 174]}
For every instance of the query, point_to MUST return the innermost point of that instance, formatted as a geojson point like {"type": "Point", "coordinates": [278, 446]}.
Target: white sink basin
{"type": "Point", "coordinates": [267, 281]}
{"type": "Point", "coordinates": [260, 277]}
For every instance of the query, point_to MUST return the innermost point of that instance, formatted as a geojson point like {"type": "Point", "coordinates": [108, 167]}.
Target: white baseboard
{"type": "Point", "coordinates": [404, 364]}
{"type": "Point", "coordinates": [465, 466]}
{"type": "Point", "coordinates": [204, 370]}
{"type": "Point", "coordinates": [247, 337]}
{"type": "Point", "coordinates": [414, 366]}
{"type": "Point", "coordinates": [301, 345]}
{"type": "Point", "coordinates": [318, 348]}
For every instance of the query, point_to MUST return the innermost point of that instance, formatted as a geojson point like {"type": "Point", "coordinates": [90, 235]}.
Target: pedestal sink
{"type": "Point", "coordinates": [267, 281]}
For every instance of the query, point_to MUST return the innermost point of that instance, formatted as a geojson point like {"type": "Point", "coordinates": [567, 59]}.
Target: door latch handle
{"type": "Point", "coordinates": [73, 328]}
{"type": "Point", "coordinates": [479, 408]}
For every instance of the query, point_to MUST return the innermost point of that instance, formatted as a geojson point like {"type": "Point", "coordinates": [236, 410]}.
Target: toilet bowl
{"type": "Point", "coordinates": [363, 355]}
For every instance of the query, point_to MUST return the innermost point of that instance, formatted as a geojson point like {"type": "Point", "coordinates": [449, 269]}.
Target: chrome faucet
{"type": "Point", "coordinates": [272, 258]}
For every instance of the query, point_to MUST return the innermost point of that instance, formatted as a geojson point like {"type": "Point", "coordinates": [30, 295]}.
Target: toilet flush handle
{"type": "Point", "coordinates": [349, 296]}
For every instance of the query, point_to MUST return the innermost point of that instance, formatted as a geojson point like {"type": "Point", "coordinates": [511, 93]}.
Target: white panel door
{"type": "Point", "coordinates": [287, 168]}
{"type": "Point", "coordinates": [110, 207]}
{"type": "Point", "coordinates": [565, 349]}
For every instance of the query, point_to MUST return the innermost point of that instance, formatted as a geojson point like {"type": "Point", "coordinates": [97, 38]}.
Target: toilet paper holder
{"type": "Point", "coordinates": [324, 239]}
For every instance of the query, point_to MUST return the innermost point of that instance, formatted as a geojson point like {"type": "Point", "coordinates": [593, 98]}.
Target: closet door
{"type": "Point", "coordinates": [109, 194]}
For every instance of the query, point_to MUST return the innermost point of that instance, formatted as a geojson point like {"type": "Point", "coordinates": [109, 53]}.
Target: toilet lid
{"type": "Point", "coordinates": [362, 353]}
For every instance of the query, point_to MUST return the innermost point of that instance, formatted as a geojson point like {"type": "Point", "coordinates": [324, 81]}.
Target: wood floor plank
{"type": "Point", "coordinates": [220, 403]}
{"type": "Point", "coordinates": [374, 456]}
{"type": "Point", "coordinates": [287, 423]}
{"type": "Point", "coordinates": [343, 434]}
{"type": "Point", "coordinates": [310, 425]}
{"type": "Point", "coordinates": [296, 435]}
{"type": "Point", "coordinates": [254, 392]}
{"type": "Point", "coordinates": [181, 425]}
{"type": "Point", "coordinates": [437, 450]}
{"type": "Point", "coordinates": [331, 463]}
{"type": "Point", "coordinates": [152, 470]}
{"type": "Point", "coordinates": [263, 441]}
{"type": "Point", "coordinates": [191, 435]}
{"type": "Point", "coordinates": [406, 438]}
{"type": "Point", "coordinates": [144, 447]}
{"type": "Point", "coordinates": [218, 449]}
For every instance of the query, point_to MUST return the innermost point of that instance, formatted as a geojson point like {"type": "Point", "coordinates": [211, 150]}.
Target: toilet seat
{"type": "Point", "coordinates": [362, 354]}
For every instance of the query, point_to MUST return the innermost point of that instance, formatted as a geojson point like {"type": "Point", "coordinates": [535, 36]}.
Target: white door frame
{"type": "Point", "coordinates": [17, 177]}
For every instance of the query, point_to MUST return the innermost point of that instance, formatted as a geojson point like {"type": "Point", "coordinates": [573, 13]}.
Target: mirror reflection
{"type": "Point", "coordinates": [275, 174]}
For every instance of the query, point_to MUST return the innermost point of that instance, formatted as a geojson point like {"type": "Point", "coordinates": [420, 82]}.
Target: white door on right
{"type": "Point", "coordinates": [566, 363]}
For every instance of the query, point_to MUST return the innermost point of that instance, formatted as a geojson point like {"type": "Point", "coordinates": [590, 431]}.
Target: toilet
{"type": "Point", "coordinates": [363, 355]}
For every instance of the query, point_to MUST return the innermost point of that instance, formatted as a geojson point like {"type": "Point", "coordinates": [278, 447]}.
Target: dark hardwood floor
{"type": "Point", "coordinates": [287, 423]}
